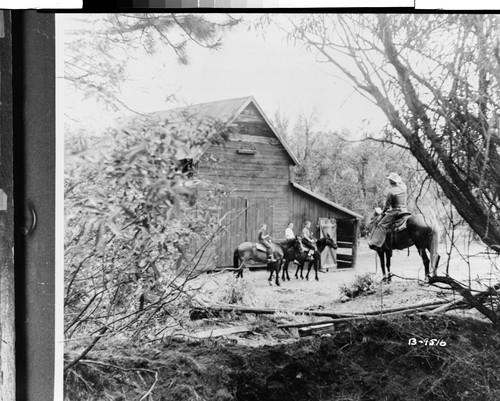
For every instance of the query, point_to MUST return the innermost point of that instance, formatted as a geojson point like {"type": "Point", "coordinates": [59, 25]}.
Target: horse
{"type": "Point", "coordinates": [254, 251]}
{"type": "Point", "coordinates": [303, 257]}
{"type": "Point", "coordinates": [409, 229]}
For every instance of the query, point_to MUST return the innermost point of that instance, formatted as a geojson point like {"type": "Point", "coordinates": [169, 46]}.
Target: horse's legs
{"type": "Point", "coordinates": [309, 265]}
{"type": "Point", "coordinates": [286, 262]}
{"type": "Point", "coordinates": [274, 268]}
{"type": "Point", "coordinates": [299, 264]}
{"type": "Point", "coordinates": [317, 264]}
{"type": "Point", "coordinates": [277, 266]}
{"type": "Point", "coordinates": [239, 272]}
{"type": "Point", "coordinates": [271, 270]}
{"type": "Point", "coordinates": [426, 261]}
{"type": "Point", "coordinates": [381, 255]}
{"type": "Point", "coordinates": [388, 265]}
{"type": "Point", "coordinates": [382, 261]}
{"type": "Point", "coordinates": [433, 250]}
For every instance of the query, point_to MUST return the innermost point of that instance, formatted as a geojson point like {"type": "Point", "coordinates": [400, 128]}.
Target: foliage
{"type": "Point", "coordinates": [131, 215]}
{"type": "Point", "coordinates": [361, 285]}
{"type": "Point", "coordinates": [436, 78]}
{"type": "Point", "coordinates": [238, 291]}
{"type": "Point", "coordinates": [138, 223]}
{"type": "Point", "coordinates": [352, 174]}
{"type": "Point", "coordinates": [99, 47]}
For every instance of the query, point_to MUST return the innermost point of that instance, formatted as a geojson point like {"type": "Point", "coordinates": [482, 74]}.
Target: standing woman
{"type": "Point", "coordinates": [289, 234]}
{"type": "Point", "coordinates": [265, 239]}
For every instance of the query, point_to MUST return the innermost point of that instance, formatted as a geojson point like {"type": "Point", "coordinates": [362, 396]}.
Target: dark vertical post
{"type": "Point", "coordinates": [355, 235]}
{"type": "Point", "coordinates": [33, 36]}
{"type": "Point", "coordinates": [7, 277]}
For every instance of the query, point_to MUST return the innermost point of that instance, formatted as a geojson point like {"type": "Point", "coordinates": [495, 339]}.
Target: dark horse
{"type": "Point", "coordinates": [254, 251]}
{"type": "Point", "coordinates": [417, 231]}
{"type": "Point", "coordinates": [303, 257]}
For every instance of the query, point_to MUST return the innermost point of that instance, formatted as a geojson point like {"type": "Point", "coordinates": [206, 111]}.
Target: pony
{"type": "Point", "coordinates": [254, 251]}
{"type": "Point", "coordinates": [302, 258]}
{"type": "Point", "coordinates": [409, 229]}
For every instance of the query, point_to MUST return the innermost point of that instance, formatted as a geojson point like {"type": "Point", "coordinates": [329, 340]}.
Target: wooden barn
{"type": "Point", "coordinates": [254, 163]}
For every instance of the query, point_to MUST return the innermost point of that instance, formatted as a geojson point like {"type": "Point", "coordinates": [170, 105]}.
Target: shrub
{"type": "Point", "coordinates": [239, 291]}
{"type": "Point", "coordinates": [363, 284]}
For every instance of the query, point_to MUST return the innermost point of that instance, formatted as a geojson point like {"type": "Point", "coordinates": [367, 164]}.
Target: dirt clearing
{"type": "Point", "coordinates": [380, 359]}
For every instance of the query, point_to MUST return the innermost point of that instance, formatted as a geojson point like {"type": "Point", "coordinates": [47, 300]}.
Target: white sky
{"type": "Point", "coordinates": [278, 75]}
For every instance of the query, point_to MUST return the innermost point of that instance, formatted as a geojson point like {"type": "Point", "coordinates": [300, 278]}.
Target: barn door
{"type": "Point", "coordinates": [234, 234]}
{"type": "Point", "coordinates": [328, 256]}
{"type": "Point", "coordinates": [259, 211]}
{"type": "Point", "coordinates": [243, 218]}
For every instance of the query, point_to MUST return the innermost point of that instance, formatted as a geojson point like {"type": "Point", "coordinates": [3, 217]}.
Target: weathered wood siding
{"type": "Point", "coordinates": [254, 165]}
{"type": "Point", "coordinates": [303, 207]}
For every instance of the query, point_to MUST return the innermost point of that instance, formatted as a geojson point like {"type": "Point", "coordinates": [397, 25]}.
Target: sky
{"type": "Point", "coordinates": [280, 76]}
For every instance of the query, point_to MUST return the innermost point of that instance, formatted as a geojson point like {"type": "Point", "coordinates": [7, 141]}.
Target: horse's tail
{"type": "Point", "coordinates": [433, 247]}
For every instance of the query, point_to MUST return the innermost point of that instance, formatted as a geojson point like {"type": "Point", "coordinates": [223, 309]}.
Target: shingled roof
{"type": "Point", "coordinates": [222, 110]}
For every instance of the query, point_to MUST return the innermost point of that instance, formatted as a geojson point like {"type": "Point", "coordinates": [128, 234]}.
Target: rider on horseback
{"type": "Point", "coordinates": [395, 204]}
{"type": "Point", "coordinates": [264, 238]}
{"type": "Point", "coordinates": [310, 242]}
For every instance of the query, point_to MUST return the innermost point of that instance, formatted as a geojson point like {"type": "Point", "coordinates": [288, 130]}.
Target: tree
{"type": "Point", "coordinates": [98, 50]}
{"type": "Point", "coordinates": [349, 173]}
{"type": "Point", "coordinates": [132, 206]}
{"type": "Point", "coordinates": [436, 78]}
{"type": "Point", "coordinates": [131, 213]}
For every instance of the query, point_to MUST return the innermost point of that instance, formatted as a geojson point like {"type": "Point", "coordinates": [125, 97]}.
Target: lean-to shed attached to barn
{"type": "Point", "coordinates": [254, 164]}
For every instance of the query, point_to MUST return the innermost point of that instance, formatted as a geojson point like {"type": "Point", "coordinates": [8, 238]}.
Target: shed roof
{"type": "Point", "coordinates": [321, 198]}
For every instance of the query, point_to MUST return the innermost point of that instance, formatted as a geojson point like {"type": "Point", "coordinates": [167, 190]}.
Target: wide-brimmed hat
{"type": "Point", "coordinates": [394, 177]}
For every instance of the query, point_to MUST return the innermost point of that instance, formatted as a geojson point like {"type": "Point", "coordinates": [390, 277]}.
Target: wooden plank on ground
{"type": "Point", "coordinates": [317, 329]}
{"type": "Point", "coordinates": [221, 332]}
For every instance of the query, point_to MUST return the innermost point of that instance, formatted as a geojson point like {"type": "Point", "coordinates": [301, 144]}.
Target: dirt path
{"type": "Point", "coordinates": [406, 287]}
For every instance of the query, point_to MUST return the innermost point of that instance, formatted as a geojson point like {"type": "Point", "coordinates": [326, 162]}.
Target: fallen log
{"type": "Point", "coordinates": [448, 306]}
{"type": "Point", "coordinates": [468, 296]}
{"type": "Point", "coordinates": [215, 309]}
{"type": "Point", "coordinates": [198, 312]}
{"type": "Point", "coordinates": [482, 297]}
{"type": "Point", "coordinates": [354, 318]}
{"type": "Point", "coordinates": [408, 307]}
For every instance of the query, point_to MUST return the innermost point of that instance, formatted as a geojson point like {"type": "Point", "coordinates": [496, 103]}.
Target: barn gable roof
{"type": "Point", "coordinates": [226, 111]}
{"type": "Point", "coordinates": [324, 200]}
{"type": "Point", "coordinates": [223, 110]}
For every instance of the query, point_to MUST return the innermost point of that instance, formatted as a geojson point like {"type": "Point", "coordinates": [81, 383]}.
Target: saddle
{"type": "Point", "coordinates": [400, 223]}
{"type": "Point", "coordinates": [259, 247]}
